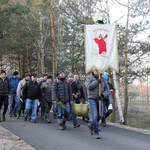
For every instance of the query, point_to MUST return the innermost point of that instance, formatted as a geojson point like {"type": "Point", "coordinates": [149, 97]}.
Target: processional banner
{"type": "Point", "coordinates": [101, 47]}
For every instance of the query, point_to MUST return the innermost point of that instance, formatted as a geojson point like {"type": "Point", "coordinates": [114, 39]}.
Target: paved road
{"type": "Point", "coordinates": [44, 136]}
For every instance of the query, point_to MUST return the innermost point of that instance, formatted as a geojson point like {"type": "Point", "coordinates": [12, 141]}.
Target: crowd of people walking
{"type": "Point", "coordinates": [25, 97]}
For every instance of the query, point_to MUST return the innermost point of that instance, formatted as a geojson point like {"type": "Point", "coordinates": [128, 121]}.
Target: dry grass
{"type": "Point", "coordinates": [138, 116]}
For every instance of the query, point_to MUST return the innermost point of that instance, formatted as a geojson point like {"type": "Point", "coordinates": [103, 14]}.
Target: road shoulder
{"type": "Point", "coordinates": [9, 140]}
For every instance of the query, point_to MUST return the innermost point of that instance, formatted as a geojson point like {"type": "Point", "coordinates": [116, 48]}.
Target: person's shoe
{"type": "Point", "coordinates": [4, 118]}
{"type": "Point", "coordinates": [64, 123]}
{"type": "Point", "coordinates": [44, 117]}
{"type": "Point", "coordinates": [18, 116]}
{"type": "Point", "coordinates": [64, 126]}
{"type": "Point", "coordinates": [15, 115]}
{"type": "Point", "coordinates": [90, 129]}
{"type": "Point", "coordinates": [61, 127]}
{"type": "Point", "coordinates": [29, 118]}
{"type": "Point", "coordinates": [83, 118]}
{"type": "Point", "coordinates": [48, 120]}
{"type": "Point", "coordinates": [25, 118]}
{"type": "Point", "coordinates": [10, 115]}
{"type": "Point", "coordinates": [87, 121]}
{"type": "Point", "coordinates": [33, 121]}
{"type": "Point", "coordinates": [76, 125]}
{"type": "Point", "coordinates": [97, 136]}
{"type": "Point", "coordinates": [103, 124]}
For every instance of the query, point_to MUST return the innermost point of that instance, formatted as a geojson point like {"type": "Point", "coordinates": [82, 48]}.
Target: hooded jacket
{"type": "Point", "coordinates": [92, 87]}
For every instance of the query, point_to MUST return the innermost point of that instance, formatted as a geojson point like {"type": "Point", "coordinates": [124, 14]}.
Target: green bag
{"type": "Point", "coordinates": [80, 110]}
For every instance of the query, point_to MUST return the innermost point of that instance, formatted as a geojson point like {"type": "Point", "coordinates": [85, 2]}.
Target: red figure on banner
{"type": "Point", "coordinates": [101, 43]}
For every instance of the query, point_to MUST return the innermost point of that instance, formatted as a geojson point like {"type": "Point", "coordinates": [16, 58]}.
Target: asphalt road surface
{"type": "Point", "coordinates": [44, 136]}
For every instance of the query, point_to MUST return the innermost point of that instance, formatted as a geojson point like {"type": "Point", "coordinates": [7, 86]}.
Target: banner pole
{"type": "Point", "coordinates": [99, 101]}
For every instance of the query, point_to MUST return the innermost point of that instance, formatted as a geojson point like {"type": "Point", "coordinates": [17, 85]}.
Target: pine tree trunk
{"type": "Point", "coordinates": [19, 65]}
{"type": "Point", "coordinates": [53, 39]}
{"type": "Point", "coordinates": [42, 45]}
{"type": "Point", "coordinates": [38, 61]}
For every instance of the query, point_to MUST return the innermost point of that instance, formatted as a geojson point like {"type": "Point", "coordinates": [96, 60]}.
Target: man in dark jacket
{"type": "Point", "coordinates": [30, 95]}
{"type": "Point", "coordinates": [62, 95]}
{"type": "Point", "coordinates": [41, 99]}
{"type": "Point", "coordinates": [5, 90]}
{"type": "Point", "coordinates": [92, 84]}
{"type": "Point", "coordinates": [14, 104]}
{"type": "Point", "coordinates": [82, 97]}
{"type": "Point", "coordinates": [46, 91]}
{"type": "Point", "coordinates": [76, 99]}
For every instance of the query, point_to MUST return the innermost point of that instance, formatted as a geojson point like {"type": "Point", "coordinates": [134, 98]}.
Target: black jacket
{"type": "Point", "coordinates": [61, 90]}
{"type": "Point", "coordinates": [5, 86]}
{"type": "Point", "coordinates": [81, 90]}
{"type": "Point", "coordinates": [75, 91]}
{"type": "Point", "coordinates": [31, 90]}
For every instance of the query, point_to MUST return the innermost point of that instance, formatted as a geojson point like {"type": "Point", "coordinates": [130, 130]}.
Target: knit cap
{"type": "Point", "coordinates": [61, 70]}
{"type": "Point", "coordinates": [70, 75]}
{"type": "Point", "coordinates": [49, 77]}
{"type": "Point", "coordinates": [16, 73]}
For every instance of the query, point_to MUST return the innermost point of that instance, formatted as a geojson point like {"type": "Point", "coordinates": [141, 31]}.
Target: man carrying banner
{"type": "Point", "coordinates": [102, 56]}
{"type": "Point", "coordinates": [92, 84]}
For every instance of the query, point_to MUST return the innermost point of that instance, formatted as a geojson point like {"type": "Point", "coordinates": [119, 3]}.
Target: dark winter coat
{"type": "Point", "coordinates": [5, 87]}
{"type": "Point", "coordinates": [75, 91]}
{"type": "Point", "coordinates": [92, 87]}
{"type": "Point", "coordinates": [31, 90]}
{"type": "Point", "coordinates": [46, 90]}
{"type": "Point", "coordinates": [14, 84]}
{"type": "Point", "coordinates": [61, 90]}
{"type": "Point", "coordinates": [40, 93]}
{"type": "Point", "coordinates": [81, 90]}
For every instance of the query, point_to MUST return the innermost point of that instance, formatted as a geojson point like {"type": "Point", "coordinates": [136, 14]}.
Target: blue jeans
{"type": "Point", "coordinates": [31, 104]}
{"type": "Point", "coordinates": [93, 106]}
{"type": "Point", "coordinates": [54, 108]}
{"type": "Point", "coordinates": [63, 112]}
{"type": "Point", "coordinates": [102, 108]}
{"type": "Point", "coordinates": [14, 99]}
{"type": "Point", "coordinates": [74, 117]}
